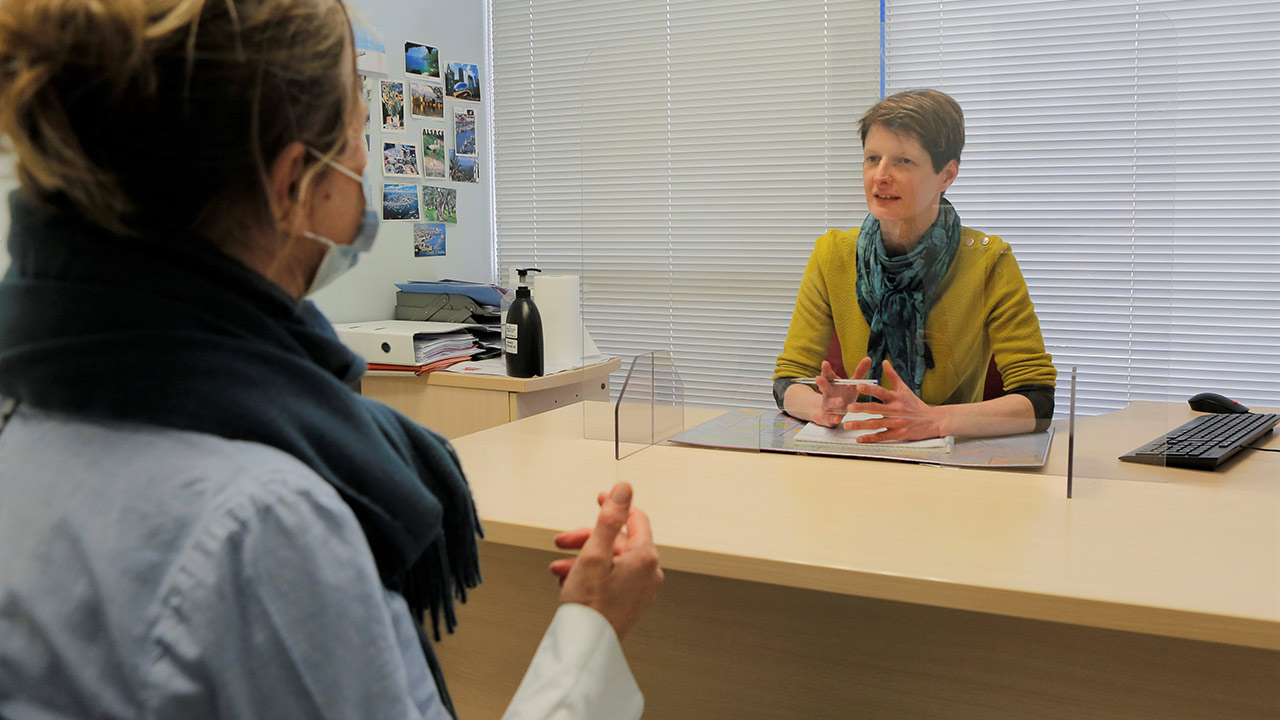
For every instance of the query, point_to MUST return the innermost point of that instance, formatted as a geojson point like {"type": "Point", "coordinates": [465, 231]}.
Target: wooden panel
{"type": "Point", "coordinates": [531, 403]}
{"type": "Point", "coordinates": [456, 404]}
{"type": "Point", "coordinates": [720, 648]}
{"type": "Point", "coordinates": [509, 384]}
{"type": "Point", "coordinates": [450, 411]}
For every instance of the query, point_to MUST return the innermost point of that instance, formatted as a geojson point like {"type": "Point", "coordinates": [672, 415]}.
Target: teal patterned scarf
{"type": "Point", "coordinates": [896, 293]}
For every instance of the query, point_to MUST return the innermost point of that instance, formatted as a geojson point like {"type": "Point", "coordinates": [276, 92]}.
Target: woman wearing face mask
{"type": "Point", "coordinates": [199, 518]}
{"type": "Point", "coordinates": [918, 302]}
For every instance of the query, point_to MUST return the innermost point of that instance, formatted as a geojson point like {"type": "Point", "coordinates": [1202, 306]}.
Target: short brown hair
{"type": "Point", "coordinates": [147, 115]}
{"type": "Point", "coordinates": [933, 118]}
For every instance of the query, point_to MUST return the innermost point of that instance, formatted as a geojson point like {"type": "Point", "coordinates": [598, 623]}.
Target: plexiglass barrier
{"type": "Point", "coordinates": [1117, 286]}
{"type": "Point", "coordinates": [644, 295]}
{"type": "Point", "coordinates": [1105, 261]}
{"type": "Point", "coordinates": [650, 404]}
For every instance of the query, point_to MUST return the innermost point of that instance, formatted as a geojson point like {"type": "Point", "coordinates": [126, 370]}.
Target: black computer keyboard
{"type": "Point", "coordinates": [1205, 442]}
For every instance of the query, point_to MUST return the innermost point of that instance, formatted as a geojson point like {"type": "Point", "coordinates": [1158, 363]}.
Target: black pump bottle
{"type": "Point", "coordinates": [522, 332]}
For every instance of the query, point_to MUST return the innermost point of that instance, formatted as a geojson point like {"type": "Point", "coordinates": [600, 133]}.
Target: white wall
{"type": "Point", "coordinates": [367, 292]}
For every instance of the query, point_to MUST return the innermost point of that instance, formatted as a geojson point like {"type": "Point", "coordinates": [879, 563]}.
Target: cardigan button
{"type": "Point", "coordinates": [986, 241]}
{"type": "Point", "coordinates": [969, 242]}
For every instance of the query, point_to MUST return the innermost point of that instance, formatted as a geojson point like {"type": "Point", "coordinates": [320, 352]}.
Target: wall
{"type": "Point", "coordinates": [367, 292]}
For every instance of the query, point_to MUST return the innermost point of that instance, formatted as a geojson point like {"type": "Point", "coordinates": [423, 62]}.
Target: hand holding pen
{"type": "Point", "coordinates": [837, 394]}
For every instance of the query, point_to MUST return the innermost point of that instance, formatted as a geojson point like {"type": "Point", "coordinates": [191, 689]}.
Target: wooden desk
{"type": "Point", "coordinates": [455, 404]}
{"type": "Point", "coordinates": [808, 587]}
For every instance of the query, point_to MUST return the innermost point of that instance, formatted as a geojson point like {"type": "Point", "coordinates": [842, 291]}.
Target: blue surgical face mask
{"type": "Point", "coordinates": [341, 258]}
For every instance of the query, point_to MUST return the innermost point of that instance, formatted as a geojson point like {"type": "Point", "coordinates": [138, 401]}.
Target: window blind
{"type": "Point", "coordinates": [1130, 154]}
{"type": "Point", "coordinates": [681, 156]}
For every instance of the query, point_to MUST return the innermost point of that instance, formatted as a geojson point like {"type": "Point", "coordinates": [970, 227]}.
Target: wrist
{"type": "Point", "coordinates": [941, 417]}
{"type": "Point", "coordinates": [802, 402]}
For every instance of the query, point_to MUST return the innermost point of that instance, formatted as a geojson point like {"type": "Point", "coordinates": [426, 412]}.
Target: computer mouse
{"type": "Point", "coordinates": [1212, 402]}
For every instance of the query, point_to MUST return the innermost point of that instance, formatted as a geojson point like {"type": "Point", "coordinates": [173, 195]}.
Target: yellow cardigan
{"type": "Point", "coordinates": [984, 310]}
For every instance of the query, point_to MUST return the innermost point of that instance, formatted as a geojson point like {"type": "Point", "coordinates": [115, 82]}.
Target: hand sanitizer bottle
{"type": "Point", "coordinates": [522, 332]}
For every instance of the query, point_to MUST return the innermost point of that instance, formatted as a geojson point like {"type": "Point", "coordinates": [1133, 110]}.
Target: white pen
{"type": "Point", "coordinates": [839, 381]}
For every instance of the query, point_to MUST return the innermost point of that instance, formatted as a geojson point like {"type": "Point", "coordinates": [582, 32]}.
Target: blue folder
{"type": "Point", "coordinates": [482, 293]}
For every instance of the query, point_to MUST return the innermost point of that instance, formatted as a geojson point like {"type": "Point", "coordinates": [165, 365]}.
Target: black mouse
{"type": "Point", "coordinates": [1214, 403]}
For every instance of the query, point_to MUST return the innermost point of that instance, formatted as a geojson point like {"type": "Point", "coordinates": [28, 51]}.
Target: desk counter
{"type": "Point", "coordinates": [455, 404]}
{"type": "Point", "coordinates": [1169, 569]}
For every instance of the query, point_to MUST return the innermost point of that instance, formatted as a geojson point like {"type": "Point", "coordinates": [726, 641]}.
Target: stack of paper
{"type": "Point", "coordinates": [460, 345]}
{"type": "Point", "coordinates": [820, 434]}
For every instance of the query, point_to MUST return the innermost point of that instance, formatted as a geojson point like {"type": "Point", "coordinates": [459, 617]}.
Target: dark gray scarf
{"type": "Point", "coordinates": [172, 332]}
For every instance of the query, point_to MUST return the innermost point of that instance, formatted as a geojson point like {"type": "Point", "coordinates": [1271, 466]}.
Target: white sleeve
{"type": "Point", "coordinates": [578, 672]}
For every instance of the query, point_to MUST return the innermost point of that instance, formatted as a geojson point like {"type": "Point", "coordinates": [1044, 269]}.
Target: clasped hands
{"type": "Point", "coordinates": [906, 416]}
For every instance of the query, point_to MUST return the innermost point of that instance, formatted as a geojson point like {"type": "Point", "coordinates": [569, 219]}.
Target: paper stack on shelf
{"type": "Point", "coordinates": [417, 347]}
{"type": "Point", "coordinates": [431, 348]}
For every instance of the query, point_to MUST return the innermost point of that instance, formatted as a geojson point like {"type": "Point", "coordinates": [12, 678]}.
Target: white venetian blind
{"type": "Point", "coordinates": [681, 155]}
{"type": "Point", "coordinates": [1130, 153]}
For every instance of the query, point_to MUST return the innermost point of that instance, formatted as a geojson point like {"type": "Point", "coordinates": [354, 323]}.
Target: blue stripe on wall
{"type": "Point", "coordinates": [882, 65]}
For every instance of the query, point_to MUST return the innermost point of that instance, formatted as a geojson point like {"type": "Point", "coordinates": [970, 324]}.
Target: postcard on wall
{"type": "Point", "coordinates": [400, 159]}
{"type": "Point", "coordinates": [432, 153]}
{"type": "Point", "coordinates": [421, 60]}
{"type": "Point", "coordinates": [462, 81]}
{"type": "Point", "coordinates": [463, 168]}
{"type": "Point", "coordinates": [366, 83]}
{"type": "Point", "coordinates": [399, 201]}
{"type": "Point", "coordinates": [426, 99]}
{"type": "Point", "coordinates": [464, 131]}
{"type": "Point", "coordinates": [440, 204]}
{"type": "Point", "coordinates": [371, 52]}
{"type": "Point", "coordinates": [392, 105]}
{"type": "Point", "coordinates": [428, 239]}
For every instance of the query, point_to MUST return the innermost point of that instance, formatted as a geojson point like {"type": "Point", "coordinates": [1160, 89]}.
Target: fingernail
{"type": "Point", "coordinates": [621, 493]}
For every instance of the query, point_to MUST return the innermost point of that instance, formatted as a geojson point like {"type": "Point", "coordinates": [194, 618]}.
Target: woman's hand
{"type": "Point", "coordinates": [617, 572]}
{"type": "Point", "coordinates": [835, 398]}
{"type": "Point", "coordinates": [906, 416]}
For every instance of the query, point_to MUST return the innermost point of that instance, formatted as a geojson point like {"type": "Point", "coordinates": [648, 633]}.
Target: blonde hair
{"type": "Point", "coordinates": [153, 115]}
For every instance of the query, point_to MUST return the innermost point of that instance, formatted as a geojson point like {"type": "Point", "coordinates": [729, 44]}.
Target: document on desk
{"type": "Point", "coordinates": [774, 431]}
{"type": "Point", "coordinates": [814, 433]}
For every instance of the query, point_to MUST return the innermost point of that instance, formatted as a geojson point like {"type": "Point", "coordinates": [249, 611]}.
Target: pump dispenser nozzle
{"type": "Point", "coordinates": [523, 273]}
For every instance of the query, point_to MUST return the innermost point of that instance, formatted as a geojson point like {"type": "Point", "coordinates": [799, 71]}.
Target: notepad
{"type": "Point", "coordinates": [820, 434]}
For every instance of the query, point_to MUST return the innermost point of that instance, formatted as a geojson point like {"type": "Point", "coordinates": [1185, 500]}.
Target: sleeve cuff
{"type": "Point", "coordinates": [1041, 397]}
{"type": "Point", "coordinates": [579, 671]}
{"type": "Point", "coordinates": [780, 390]}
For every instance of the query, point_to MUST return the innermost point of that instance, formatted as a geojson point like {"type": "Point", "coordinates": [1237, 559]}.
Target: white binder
{"type": "Point", "coordinates": [390, 342]}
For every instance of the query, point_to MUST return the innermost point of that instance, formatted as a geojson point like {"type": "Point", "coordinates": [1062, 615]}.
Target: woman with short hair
{"type": "Point", "coordinates": [915, 299]}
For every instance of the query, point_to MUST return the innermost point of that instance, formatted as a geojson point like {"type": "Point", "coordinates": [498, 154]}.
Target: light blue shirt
{"type": "Point", "coordinates": [165, 574]}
